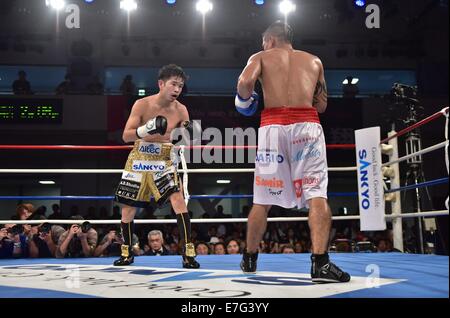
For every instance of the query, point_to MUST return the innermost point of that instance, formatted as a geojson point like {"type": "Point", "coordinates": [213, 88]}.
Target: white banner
{"type": "Point", "coordinates": [370, 179]}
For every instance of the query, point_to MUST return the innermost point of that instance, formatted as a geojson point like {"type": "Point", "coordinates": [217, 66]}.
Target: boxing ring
{"type": "Point", "coordinates": [374, 275]}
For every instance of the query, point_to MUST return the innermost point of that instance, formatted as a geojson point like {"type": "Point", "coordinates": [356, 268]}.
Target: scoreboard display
{"type": "Point", "coordinates": [31, 110]}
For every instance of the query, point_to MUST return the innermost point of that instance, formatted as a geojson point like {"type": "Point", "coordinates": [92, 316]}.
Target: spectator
{"type": "Point", "coordinates": [174, 249]}
{"type": "Point", "coordinates": [66, 87]}
{"type": "Point", "coordinates": [219, 248]}
{"type": "Point", "coordinates": [350, 89]}
{"type": "Point", "coordinates": [298, 247]}
{"type": "Point", "coordinates": [24, 211]}
{"type": "Point", "coordinates": [14, 244]}
{"type": "Point", "coordinates": [21, 86]}
{"type": "Point", "coordinates": [77, 241]}
{"type": "Point", "coordinates": [383, 246]}
{"type": "Point", "coordinates": [56, 215]}
{"type": "Point", "coordinates": [220, 214]}
{"type": "Point", "coordinates": [44, 239]}
{"type": "Point", "coordinates": [127, 88]}
{"type": "Point", "coordinates": [96, 86]}
{"type": "Point", "coordinates": [233, 247]}
{"type": "Point", "coordinates": [264, 247]}
{"type": "Point", "coordinates": [110, 245]}
{"type": "Point", "coordinates": [202, 249]}
{"type": "Point", "coordinates": [287, 249]}
{"type": "Point", "coordinates": [155, 246]}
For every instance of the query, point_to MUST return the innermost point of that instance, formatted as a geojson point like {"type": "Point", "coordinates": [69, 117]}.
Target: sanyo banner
{"type": "Point", "coordinates": [370, 179]}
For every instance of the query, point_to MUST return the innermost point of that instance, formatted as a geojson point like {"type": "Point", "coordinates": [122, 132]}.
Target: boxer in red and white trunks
{"type": "Point", "coordinates": [291, 163]}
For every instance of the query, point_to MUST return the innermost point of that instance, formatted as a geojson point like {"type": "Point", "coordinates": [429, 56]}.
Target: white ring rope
{"type": "Point", "coordinates": [236, 220]}
{"type": "Point", "coordinates": [418, 153]}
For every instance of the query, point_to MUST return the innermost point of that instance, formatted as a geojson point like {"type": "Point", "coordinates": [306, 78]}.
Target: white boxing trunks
{"type": "Point", "coordinates": [291, 162]}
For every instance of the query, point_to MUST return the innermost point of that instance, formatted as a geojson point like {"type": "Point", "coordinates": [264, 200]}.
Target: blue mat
{"type": "Point", "coordinates": [374, 275]}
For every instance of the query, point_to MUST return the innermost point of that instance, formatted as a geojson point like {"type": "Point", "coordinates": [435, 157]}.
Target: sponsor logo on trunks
{"type": "Point", "coordinates": [149, 166]}
{"type": "Point", "coordinates": [307, 153]}
{"type": "Point", "coordinates": [305, 140]}
{"type": "Point", "coordinates": [267, 157]}
{"type": "Point", "coordinates": [305, 182]}
{"type": "Point", "coordinates": [275, 193]}
{"type": "Point", "coordinates": [272, 183]}
{"type": "Point", "coordinates": [150, 149]}
{"type": "Point", "coordinates": [131, 176]}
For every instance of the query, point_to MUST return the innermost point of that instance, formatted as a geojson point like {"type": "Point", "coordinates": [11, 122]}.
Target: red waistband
{"type": "Point", "coordinates": [289, 115]}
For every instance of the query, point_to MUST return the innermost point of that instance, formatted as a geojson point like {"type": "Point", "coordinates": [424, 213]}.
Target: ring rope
{"type": "Point", "coordinates": [236, 220]}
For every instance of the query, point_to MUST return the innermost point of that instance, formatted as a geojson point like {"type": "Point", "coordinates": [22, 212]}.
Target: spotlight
{"type": "Point", "coordinates": [287, 7]}
{"type": "Point", "coordinates": [128, 5]}
{"type": "Point", "coordinates": [351, 80]}
{"type": "Point", "coordinates": [359, 3]}
{"type": "Point", "coordinates": [259, 2]}
{"type": "Point", "coordinates": [171, 2]}
{"type": "Point", "coordinates": [44, 182]}
{"type": "Point", "coordinates": [223, 181]}
{"type": "Point", "coordinates": [55, 4]}
{"type": "Point", "coordinates": [204, 6]}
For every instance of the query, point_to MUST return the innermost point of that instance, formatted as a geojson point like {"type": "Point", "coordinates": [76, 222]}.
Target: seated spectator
{"type": "Point", "coordinates": [155, 245]}
{"type": "Point", "coordinates": [202, 249]}
{"type": "Point", "coordinates": [220, 249]}
{"type": "Point", "coordinates": [77, 241]}
{"type": "Point", "coordinates": [233, 247]}
{"type": "Point", "coordinates": [44, 239]}
{"type": "Point", "coordinates": [23, 212]}
{"type": "Point", "coordinates": [264, 247]}
{"type": "Point", "coordinates": [174, 249]}
{"type": "Point", "coordinates": [298, 247]}
{"type": "Point", "coordinates": [127, 88]}
{"type": "Point", "coordinates": [66, 87]}
{"type": "Point", "coordinates": [21, 86]}
{"type": "Point", "coordinates": [384, 246]}
{"type": "Point", "coordinates": [56, 215]}
{"type": "Point", "coordinates": [287, 249]}
{"type": "Point", "coordinates": [95, 87]}
{"type": "Point", "coordinates": [110, 245]}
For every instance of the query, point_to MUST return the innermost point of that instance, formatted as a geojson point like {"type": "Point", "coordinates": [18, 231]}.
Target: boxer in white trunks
{"type": "Point", "coordinates": [291, 163]}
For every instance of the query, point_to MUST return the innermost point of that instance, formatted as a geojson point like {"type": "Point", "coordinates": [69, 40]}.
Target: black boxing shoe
{"type": "Point", "coordinates": [124, 261]}
{"type": "Point", "coordinates": [248, 263]}
{"type": "Point", "coordinates": [328, 273]}
{"type": "Point", "coordinates": [190, 263]}
{"type": "Point", "coordinates": [189, 254]}
{"type": "Point", "coordinates": [126, 258]}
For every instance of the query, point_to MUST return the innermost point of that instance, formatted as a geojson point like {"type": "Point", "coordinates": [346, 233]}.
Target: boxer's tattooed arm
{"type": "Point", "coordinates": [321, 93]}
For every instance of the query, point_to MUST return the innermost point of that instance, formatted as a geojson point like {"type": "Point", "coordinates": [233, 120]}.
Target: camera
{"type": "Point", "coordinates": [85, 227]}
{"type": "Point", "coordinates": [16, 229]}
{"type": "Point", "coordinates": [405, 94]}
{"type": "Point", "coordinates": [45, 228]}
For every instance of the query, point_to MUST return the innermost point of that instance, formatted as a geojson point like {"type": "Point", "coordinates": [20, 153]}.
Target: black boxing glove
{"type": "Point", "coordinates": [154, 126]}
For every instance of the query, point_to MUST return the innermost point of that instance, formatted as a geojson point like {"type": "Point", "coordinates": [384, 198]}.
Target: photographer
{"type": "Point", "coordinates": [77, 241]}
{"type": "Point", "coordinates": [13, 242]}
{"type": "Point", "coordinates": [44, 239]}
{"type": "Point", "coordinates": [111, 244]}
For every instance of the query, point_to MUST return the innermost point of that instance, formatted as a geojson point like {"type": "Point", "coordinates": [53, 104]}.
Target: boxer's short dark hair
{"type": "Point", "coordinates": [171, 70]}
{"type": "Point", "coordinates": [280, 30]}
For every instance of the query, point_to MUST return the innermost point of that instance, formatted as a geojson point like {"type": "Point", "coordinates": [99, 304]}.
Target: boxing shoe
{"type": "Point", "coordinates": [126, 258]}
{"type": "Point", "coordinates": [190, 263]}
{"type": "Point", "coordinates": [328, 273]}
{"type": "Point", "coordinates": [248, 263]}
